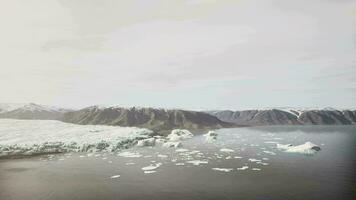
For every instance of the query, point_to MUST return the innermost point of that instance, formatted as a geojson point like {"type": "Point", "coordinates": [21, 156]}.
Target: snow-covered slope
{"type": "Point", "coordinates": [29, 137]}
{"type": "Point", "coordinates": [6, 107]}
{"type": "Point", "coordinates": [31, 111]}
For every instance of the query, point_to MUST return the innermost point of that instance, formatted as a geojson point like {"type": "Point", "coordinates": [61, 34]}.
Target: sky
{"type": "Point", "coordinates": [192, 54]}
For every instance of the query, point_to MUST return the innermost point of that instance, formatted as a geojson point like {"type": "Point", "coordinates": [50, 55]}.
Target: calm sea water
{"type": "Point", "coordinates": [329, 174]}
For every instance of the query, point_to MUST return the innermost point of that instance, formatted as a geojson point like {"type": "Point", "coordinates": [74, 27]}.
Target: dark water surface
{"type": "Point", "coordinates": [329, 174]}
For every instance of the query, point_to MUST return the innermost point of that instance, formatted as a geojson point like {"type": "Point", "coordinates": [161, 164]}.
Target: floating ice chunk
{"type": "Point", "coordinates": [179, 164]}
{"type": "Point", "coordinates": [182, 150]}
{"type": "Point", "coordinates": [146, 142]}
{"type": "Point", "coordinates": [179, 134]}
{"type": "Point", "coordinates": [211, 136]}
{"type": "Point", "coordinates": [254, 160]}
{"type": "Point", "coordinates": [130, 163]}
{"type": "Point", "coordinates": [160, 141]}
{"type": "Point", "coordinates": [306, 148]}
{"type": "Point", "coordinates": [223, 169]}
{"type": "Point", "coordinates": [197, 162]}
{"type": "Point", "coordinates": [151, 167]}
{"type": "Point", "coordinates": [149, 171]}
{"type": "Point", "coordinates": [265, 158]}
{"type": "Point", "coordinates": [256, 169]}
{"type": "Point", "coordinates": [172, 144]}
{"type": "Point", "coordinates": [242, 168]}
{"type": "Point", "coordinates": [227, 150]}
{"type": "Point", "coordinates": [271, 142]}
{"type": "Point", "coordinates": [283, 146]}
{"type": "Point", "coordinates": [130, 154]}
{"type": "Point", "coordinates": [269, 152]}
{"type": "Point", "coordinates": [228, 157]}
{"type": "Point", "coordinates": [162, 156]}
{"type": "Point", "coordinates": [115, 176]}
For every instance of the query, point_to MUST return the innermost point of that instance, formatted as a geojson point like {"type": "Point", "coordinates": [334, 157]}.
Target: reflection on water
{"type": "Point", "coordinates": [242, 164]}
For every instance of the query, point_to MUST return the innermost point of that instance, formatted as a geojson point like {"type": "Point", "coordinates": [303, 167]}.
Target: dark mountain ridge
{"type": "Point", "coordinates": [158, 120]}
{"type": "Point", "coordinates": [287, 117]}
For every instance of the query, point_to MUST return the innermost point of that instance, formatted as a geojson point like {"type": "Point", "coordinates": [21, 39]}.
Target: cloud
{"type": "Point", "coordinates": [214, 49]}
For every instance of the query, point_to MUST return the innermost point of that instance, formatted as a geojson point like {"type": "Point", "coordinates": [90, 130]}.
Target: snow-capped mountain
{"type": "Point", "coordinates": [288, 116]}
{"type": "Point", "coordinates": [31, 111]}
{"type": "Point", "coordinates": [6, 107]}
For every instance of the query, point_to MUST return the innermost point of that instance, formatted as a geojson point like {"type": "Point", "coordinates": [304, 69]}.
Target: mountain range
{"type": "Point", "coordinates": [163, 120]}
{"type": "Point", "coordinates": [287, 117]}
{"type": "Point", "coordinates": [156, 119]}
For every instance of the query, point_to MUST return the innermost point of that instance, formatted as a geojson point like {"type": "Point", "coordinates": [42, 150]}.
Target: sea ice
{"type": "Point", "coordinates": [130, 154]}
{"type": "Point", "coordinates": [306, 148]}
{"type": "Point", "coordinates": [197, 162]}
{"type": "Point", "coordinates": [146, 142]}
{"type": "Point", "coordinates": [223, 169]}
{"type": "Point", "coordinates": [242, 168]}
{"type": "Point", "coordinates": [269, 152]}
{"type": "Point", "coordinates": [179, 134]}
{"type": "Point", "coordinates": [182, 150]}
{"type": "Point", "coordinates": [254, 160]}
{"type": "Point", "coordinates": [151, 167]}
{"type": "Point", "coordinates": [256, 169]}
{"type": "Point", "coordinates": [226, 150]}
{"type": "Point", "coordinates": [172, 144]}
{"type": "Point", "coordinates": [211, 136]}
{"type": "Point", "coordinates": [115, 176]}
{"type": "Point", "coordinates": [149, 172]}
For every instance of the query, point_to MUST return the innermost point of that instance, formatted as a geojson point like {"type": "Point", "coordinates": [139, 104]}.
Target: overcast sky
{"type": "Point", "coordinates": [193, 54]}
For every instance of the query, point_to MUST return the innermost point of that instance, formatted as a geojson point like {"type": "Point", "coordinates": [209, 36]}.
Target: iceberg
{"type": "Point", "coordinates": [197, 162]}
{"type": "Point", "coordinates": [242, 168]}
{"type": "Point", "coordinates": [150, 172]}
{"type": "Point", "coordinates": [307, 148]}
{"type": "Point", "coordinates": [151, 167]}
{"type": "Point", "coordinates": [223, 169]}
{"type": "Point", "coordinates": [115, 176]}
{"type": "Point", "coordinates": [211, 137]}
{"type": "Point", "coordinates": [127, 154]}
{"type": "Point", "coordinates": [227, 150]}
{"type": "Point", "coordinates": [179, 134]}
{"type": "Point", "coordinates": [146, 142]}
{"type": "Point", "coordinates": [172, 144]}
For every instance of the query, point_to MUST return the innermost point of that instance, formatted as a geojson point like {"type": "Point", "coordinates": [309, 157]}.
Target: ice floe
{"type": "Point", "coordinates": [172, 144]}
{"type": "Point", "coordinates": [197, 162]}
{"type": "Point", "coordinates": [128, 154]}
{"type": "Point", "coordinates": [146, 142]}
{"type": "Point", "coordinates": [211, 136]}
{"type": "Point", "coordinates": [182, 150]}
{"type": "Point", "coordinates": [242, 168]}
{"type": "Point", "coordinates": [115, 176]}
{"type": "Point", "coordinates": [269, 152]}
{"type": "Point", "coordinates": [227, 150]}
{"type": "Point", "coordinates": [306, 148]}
{"type": "Point", "coordinates": [223, 169]}
{"type": "Point", "coordinates": [150, 172]}
{"type": "Point", "coordinates": [256, 169]}
{"type": "Point", "coordinates": [254, 160]}
{"type": "Point", "coordinates": [151, 167]}
{"type": "Point", "coordinates": [179, 134]}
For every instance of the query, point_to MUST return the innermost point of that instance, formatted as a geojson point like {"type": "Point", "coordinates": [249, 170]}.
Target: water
{"type": "Point", "coordinates": [329, 174]}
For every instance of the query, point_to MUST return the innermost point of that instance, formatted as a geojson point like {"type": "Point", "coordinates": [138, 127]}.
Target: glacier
{"type": "Point", "coordinates": [32, 137]}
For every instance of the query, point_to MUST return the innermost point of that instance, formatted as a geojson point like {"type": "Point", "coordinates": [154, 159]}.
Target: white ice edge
{"type": "Point", "coordinates": [30, 137]}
